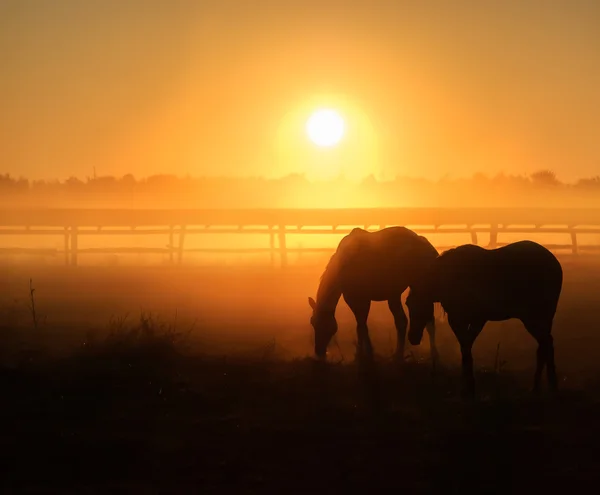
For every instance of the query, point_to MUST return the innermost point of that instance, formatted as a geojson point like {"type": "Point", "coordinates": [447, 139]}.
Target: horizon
{"type": "Point", "coordinates": [298, 191]}
{"type": "Point", "coordinates": [477, 175]}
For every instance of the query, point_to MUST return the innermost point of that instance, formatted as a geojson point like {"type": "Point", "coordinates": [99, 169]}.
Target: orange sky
{"type": "Point", "coordinates": [182, 87]}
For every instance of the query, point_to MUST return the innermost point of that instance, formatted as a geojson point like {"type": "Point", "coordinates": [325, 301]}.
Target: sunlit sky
{"type": "Point", "coordinates": [219, 87]}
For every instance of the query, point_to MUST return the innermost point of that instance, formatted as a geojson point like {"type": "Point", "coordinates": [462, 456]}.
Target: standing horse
{"type": "Point", "coordinates": [371, 266]}
{"type": "Point", "coordinates": [475, 285]}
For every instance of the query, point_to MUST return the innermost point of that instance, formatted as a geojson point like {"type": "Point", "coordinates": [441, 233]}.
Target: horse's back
{"type": "Point", "coordinates": [520, 275]}
{"type": "Point", "coordinates": [530, 259]}
{"type": "Point", "coordinates": [521, 253]}
{"type": "Point", "coordinates": [383, 262]}
{"type": "Point", "coordinates": [389, 245]}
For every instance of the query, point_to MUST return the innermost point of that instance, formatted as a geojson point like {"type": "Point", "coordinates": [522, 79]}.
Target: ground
{"type": "Point", "coordinates": [207, 386]}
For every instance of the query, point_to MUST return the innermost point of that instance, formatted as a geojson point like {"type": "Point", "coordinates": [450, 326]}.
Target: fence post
{"type": "Point", "coordinates": [66, 246]}
{"type": "Point", "coordinates": [282, 245]}
{"type": "Point", "coordinates": [74, 243]}
{"type": "Point", "coordinates": [171, 247]}
{"type": "Point", "coordinates": [574, 241]}
{"type": "Point", "coordinates": [473, 237]}
{"type": "Point", "coordinates": [494, 236]}
{"type": "Point", "coordinates": [180, 246]}
{"type": "Point", "coordinates": [272, 244]}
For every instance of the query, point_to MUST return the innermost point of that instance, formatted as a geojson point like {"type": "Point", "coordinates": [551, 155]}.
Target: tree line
{"type": "Point", "coordinates": [537, 189]}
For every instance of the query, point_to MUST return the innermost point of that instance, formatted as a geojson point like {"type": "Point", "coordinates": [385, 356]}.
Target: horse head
{"type": "Point", "coordinates": [324, 325]}
{"type": "Point", "coordinates": [420, 306]}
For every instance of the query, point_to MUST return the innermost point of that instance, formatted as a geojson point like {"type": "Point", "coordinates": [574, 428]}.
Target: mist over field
{"type": "Point", "coordinates": [539, 189]}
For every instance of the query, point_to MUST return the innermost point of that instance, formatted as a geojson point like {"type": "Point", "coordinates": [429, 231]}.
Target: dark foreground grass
{"type": "Point", "coordinates": [136, 414]}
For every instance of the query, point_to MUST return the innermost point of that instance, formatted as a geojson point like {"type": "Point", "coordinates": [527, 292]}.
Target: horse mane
{"type": "Point", "coordinates": [428, 244]}
{"type": "Point", "coordinates": [332, 264]}
{"type": "Point", "coordinates": [464, 248]}
{"type": "Point", "coordinates": [327, 281]}
{"type": "Point", "coordinates": [446, 252]}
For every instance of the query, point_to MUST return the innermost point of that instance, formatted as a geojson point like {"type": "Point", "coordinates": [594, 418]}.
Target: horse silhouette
{"type": "Point", "coordinates": [371, 266]}
{"type": "Point", "coordinates": [521, 280]}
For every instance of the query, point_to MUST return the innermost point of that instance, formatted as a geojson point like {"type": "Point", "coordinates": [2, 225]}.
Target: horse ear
{"type": "Point", "coordinates": [312, 303]}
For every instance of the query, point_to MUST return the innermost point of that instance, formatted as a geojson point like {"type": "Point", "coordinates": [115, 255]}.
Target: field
{"type": "Point", "coordinates": [189, 380]}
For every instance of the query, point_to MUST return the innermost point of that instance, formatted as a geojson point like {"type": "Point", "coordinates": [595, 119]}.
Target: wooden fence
{"type": "Point", "coordinates": [72, 224]}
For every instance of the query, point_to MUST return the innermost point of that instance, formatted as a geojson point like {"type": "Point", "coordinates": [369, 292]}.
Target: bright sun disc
{"type": "Point", "coordinates": [325, 127]}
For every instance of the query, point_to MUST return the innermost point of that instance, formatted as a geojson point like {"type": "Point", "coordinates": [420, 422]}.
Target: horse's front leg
{"type": "Point", "coordinates": [433, 349]}
{"type": "Point", "coordinates": [466, 334]}
{"type": "Point", "coordinates": [360, 308]}
{"type": "Point", "coordinates": [468, 378]}
{"type": "Point", "coordinates": [401, 322]}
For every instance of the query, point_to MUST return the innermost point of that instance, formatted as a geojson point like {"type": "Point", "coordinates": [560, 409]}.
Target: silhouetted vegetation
{"type": "Point", "coordinates": [541, 188]}
{"type": "Point", "coordinates": [136, 413]}
{"type": "Point", "coordinates": [144, 408]}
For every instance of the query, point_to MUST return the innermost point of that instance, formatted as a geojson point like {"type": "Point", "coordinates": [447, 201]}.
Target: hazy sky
{"type": "Point", "coordinates": [200, 87]}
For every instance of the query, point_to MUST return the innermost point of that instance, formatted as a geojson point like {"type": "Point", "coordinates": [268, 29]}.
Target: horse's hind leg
{"type": "Point", "coordinates": [550, 366]}
{"type": "Point", "coordinates": [401, 322]}
{"type": "Point", "coordinates": [545, 354]}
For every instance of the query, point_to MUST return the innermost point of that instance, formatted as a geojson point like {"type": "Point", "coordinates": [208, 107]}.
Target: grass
{"type": "Point", "coordinates": [137, 412]}
{"type": "Point", "coordinates": [227, 404]}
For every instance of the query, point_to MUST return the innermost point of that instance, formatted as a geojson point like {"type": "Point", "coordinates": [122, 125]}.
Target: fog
{"type": "Point", "coordinates": [242, 310]}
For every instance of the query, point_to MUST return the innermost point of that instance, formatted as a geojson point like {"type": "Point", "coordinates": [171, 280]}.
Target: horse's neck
{"type": "Point", "coordinates": [441, 286]}
{"type": "Point", "coordinates": [329, 292]}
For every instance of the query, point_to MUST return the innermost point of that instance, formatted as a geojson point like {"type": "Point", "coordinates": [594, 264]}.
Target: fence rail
{"type": "Point", "coordinates": [176, 224]}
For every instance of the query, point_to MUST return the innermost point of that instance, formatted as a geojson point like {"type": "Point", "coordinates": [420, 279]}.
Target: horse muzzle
{"type": "Point", "coordinates": [320, 354]}
{"type": "Point", "coordinates": [415, 338]}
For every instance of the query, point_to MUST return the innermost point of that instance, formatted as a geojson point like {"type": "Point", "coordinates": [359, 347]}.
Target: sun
{"type": "Point", "coordinates": [327, 137]}
{"type": "Point", "coordinates": [325, 127]}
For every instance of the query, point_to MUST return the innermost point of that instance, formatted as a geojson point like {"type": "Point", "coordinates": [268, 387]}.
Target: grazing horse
{"type": "Point", "coordinates": [521, 280]}
{"type": "Point", "coordinates": [371, 266]}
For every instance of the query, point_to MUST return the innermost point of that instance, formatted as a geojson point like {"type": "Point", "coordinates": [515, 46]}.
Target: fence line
{"type": "Point", "coordinates": [72, 224]}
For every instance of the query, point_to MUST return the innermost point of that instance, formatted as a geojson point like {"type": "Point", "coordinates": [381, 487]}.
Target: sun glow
{"type": "Point", "coordinates": [324, 144]}
{"type": "Point", "coordinates": [325, 127]}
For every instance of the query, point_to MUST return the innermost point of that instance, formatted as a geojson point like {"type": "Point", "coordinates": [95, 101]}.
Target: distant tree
{"type": "Point", "coordinates": [545, 178]}
{"type": "Point", "coordinates": [589, 182]}
{"type": "Point", "coordinates": [73, 183]}
{"type": "Point", "coordinates": [128, 179]}
{"type": "Point", "coordinates": [12, 185]}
